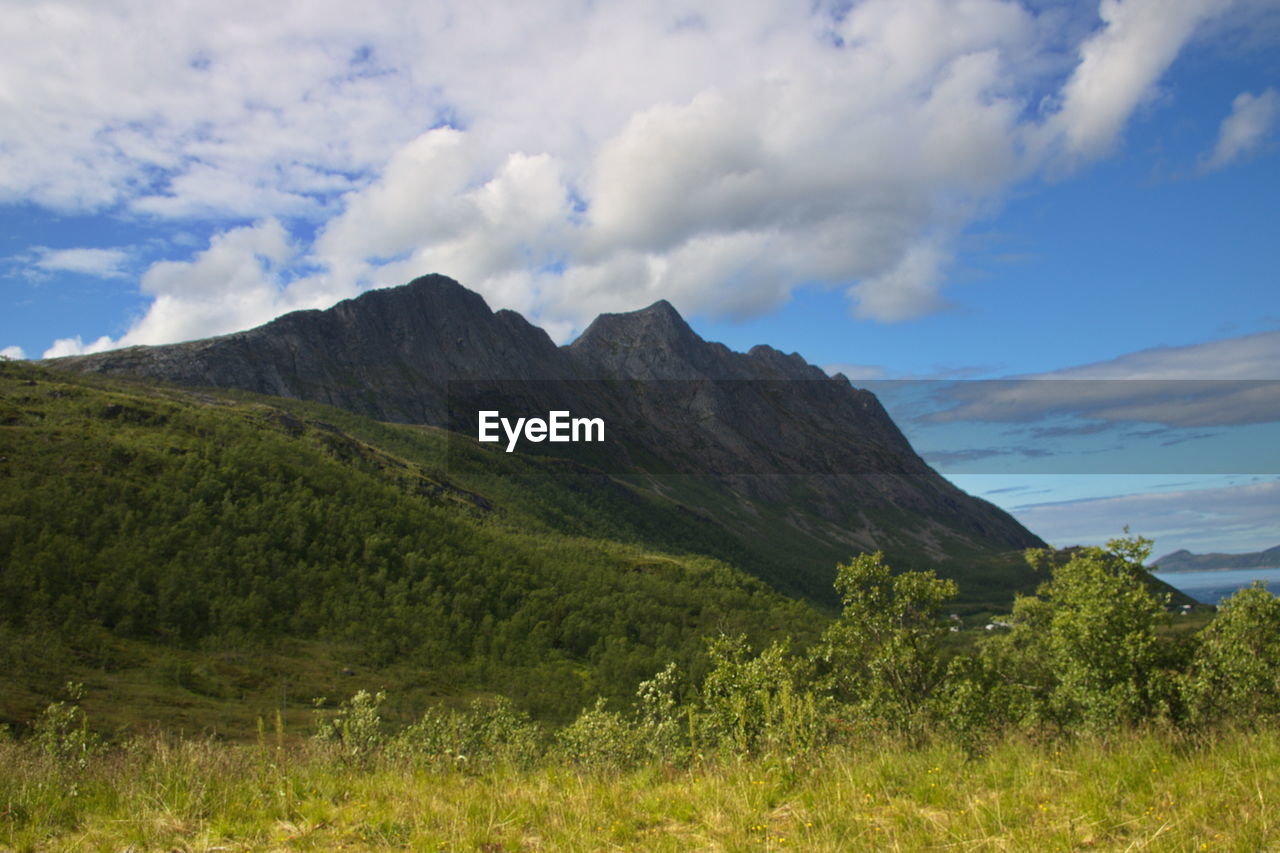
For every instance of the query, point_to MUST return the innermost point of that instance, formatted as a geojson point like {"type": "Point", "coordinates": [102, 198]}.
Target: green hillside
{"type": "Point", "coordinates": [221, 548]}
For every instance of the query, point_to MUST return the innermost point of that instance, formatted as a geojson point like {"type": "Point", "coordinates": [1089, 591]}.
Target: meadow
{"type": "Point", "coordinates": [1138, 790]}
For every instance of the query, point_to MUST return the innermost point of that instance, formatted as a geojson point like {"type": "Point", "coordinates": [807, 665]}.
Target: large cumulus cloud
{"type": "Point", "coordinates": [566, 157]}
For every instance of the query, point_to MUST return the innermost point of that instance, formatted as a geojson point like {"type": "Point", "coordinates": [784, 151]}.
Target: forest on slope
{"type": "Point", "coordinates": [216, 526]}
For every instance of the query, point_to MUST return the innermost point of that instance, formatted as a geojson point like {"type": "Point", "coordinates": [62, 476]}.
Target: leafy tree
{"type": "Point", "coordinates": [881, 655]}
{"type": "Point", "coordinates": [1236, 670]}
{"type": "Point", "coordinates": [750, 704]}
{"type": "Point", "coordinates": [357, 727]}
{"type": "Point", "coordinates": [1085, 651]}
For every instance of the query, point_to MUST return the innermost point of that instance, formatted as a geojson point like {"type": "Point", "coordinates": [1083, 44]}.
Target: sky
{"type": "Point", "coordinates": [938, 191]}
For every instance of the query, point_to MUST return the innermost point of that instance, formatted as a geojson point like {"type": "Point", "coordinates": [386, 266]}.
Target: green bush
{"type": "Point", "coordinates": [975, 704]}
{"type": "Point", "coordinates": [62, 731]}
{"type": "Point", "coordinates": [663, 721]}
{"type": "Point", "coordinates": [357, 727]}
{"type": "Point", "coordinates": [750, 705]}
{"type": "Point", "coordinates": [485, 734]}
{"type": "Point", "coordinates": [1085, 653]}
{"type": "Point", "coordinates": [882, 655]}
{"type": "Point", "coordinates": [1236, 671]}
{"type": "Point", "coordinates": [601, 738]}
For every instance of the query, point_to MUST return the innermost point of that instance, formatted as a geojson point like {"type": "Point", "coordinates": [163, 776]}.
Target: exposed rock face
{"type": "Point", "coordinates": [386, 354]}
{"type": "Point", "coordinates": [751, 420]}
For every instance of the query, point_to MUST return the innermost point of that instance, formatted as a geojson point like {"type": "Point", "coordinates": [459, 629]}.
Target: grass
{"type": "Point", "coordinates": [1138, 791]}
{"type": "Point", "coordinates": [133, 687]}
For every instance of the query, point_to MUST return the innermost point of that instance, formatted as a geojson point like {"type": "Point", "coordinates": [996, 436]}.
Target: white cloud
{"type": "Point", "coordinates": [1233, 518]}
{"type": "Point", "coordinates": [908, 289]}
{"type": "Point", "coordinates": [13, 353]}
{"type": "Point", "coordinates": [565, 158]}
{"type": "Point", "coordinates": [103, 263]}
{"type": "Point", "coordinates": [854, 372]}
{"type": "Point", "coordinates": [1254, 356]}
{"type": "Point", "coordinates": [1218, 383]}
{"type": "Point", "coordinates": [76, 346]}
{"type": "Point", "coordinates": [233, 284]}
{"type": "Point", "coordinates": [809, 164]}
{"type": "Point", "coordinates": [181, 108]}
{"type": "Point", "coordinates": [1251, 119]}
{"type": "Point", "coordinates": [1120, 66]}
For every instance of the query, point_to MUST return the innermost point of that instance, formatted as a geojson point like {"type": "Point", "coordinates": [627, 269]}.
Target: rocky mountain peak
{"type": "Point", "coordinates": [651, 343]}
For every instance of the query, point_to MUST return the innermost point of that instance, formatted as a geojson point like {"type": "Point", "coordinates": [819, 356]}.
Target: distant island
{"type": "Point", "coordinates": [1185, 561]}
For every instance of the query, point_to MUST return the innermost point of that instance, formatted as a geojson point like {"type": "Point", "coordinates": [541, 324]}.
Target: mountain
{"type": "Point", "coordinates": [1185, 561]}
{"type": "Point", "coordinates": [790, 470]}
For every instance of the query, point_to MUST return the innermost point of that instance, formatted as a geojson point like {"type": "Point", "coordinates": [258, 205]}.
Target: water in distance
{"type": "Point", "coordinates": [1213, 586]}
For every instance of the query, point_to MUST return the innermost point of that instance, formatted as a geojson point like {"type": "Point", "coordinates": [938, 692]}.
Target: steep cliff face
{"type": "Point", "coordinates": [750, 439]}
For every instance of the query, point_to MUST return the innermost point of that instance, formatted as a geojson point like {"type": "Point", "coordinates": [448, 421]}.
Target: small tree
{"type": "Point", "coordinates": [756, 704]}
{"type": "Point", "coordinates": [357, 726]}
{"type": "Point", "coordinates": [62, 730]}
{"type": "Point", "coordinates": [1236, 671]}
{"type": "Point", "coordinates": [660, 714]}
{"type": "Point", "coordinates": [486, 733]}
{"type": "Point", "coordinates": [601, 738]}
{"type": "Point", "coordinates": [881, 655]}
{"type": "Point", "coordinates": [1085, 651]}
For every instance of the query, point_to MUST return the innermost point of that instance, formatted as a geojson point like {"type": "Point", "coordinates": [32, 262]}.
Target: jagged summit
{"type": "Point", "coordinates": [652, 343]}
{"type": "Point", "coordinates": [659, 322]}
{"type": "Point", "coordinates": [657, 343]}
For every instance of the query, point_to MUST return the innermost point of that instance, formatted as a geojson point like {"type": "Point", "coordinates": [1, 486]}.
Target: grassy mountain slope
{"type": "Point", "coordinates": [779, 541]}
{"type": "Point", "coordinates": [202, 537]}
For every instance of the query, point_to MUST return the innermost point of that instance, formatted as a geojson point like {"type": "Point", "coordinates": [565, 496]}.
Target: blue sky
{"type": "Point", "coordinates": [920, 189]}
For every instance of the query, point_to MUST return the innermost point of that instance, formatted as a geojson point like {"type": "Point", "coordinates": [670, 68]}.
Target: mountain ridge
{"type": "Point", "coordinates": [1183, 560]}
{"type": "Point", "coordinates": [766, 434]}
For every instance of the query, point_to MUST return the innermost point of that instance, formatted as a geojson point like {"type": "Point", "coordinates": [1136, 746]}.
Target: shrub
{"type": "Point", "coordinates": [881, 655]}
{"type": "Point", "coordinates": [975, 704]}
{"type": "Point", "coordinates": [601, 738]}
{"type": "Point", "coordinates": [1085, 652]}
{"type": "Point", "coordinates": [661, 716]}
{"type": "Point", "coordinates": [62, 730]}
{"type": "Point", "coordinates": [756, 704]}
{"type": "Point", "coordinates": [357, 727]}
{"type": "Point", "coordinates": [1236, 671]}
{"type": "Point", "coordinates": [487, 733]}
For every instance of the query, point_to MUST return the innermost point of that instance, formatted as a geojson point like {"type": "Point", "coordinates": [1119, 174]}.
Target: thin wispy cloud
{"type": "Point", "coordinates": [1197, 519]}
{"type": "Point", "coordinates": [946, 458]}
{"type": "Point", "coordinates": [1226, 382]}
{"type": "Point", "coordinates": [1252, 119]}
{"type": "Point", "coordinates": [1170, 402]}
{"type": "Point", "coordinates": [1136, 414]}
{"type": "Point", "coordinates": [102, 263]}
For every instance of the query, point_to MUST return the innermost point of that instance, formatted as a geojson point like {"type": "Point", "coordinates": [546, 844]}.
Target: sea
{"type": "Point", "coordinates": [1212, 587]}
